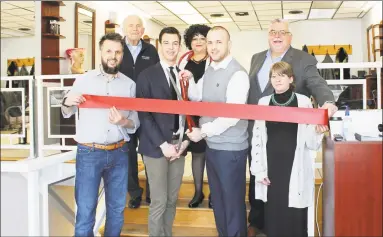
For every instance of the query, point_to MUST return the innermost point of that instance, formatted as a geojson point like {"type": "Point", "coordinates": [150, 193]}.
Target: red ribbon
{"type": "Point", "coordinates": [240, 111]}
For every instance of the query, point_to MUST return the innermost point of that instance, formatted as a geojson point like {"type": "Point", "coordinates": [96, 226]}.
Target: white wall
{"type": "Point", "coordinates": [374, 16]}
{"type": "Point", "coordinates": [329, 32]}
{"type": "Point", "coordinates": [247, 43]}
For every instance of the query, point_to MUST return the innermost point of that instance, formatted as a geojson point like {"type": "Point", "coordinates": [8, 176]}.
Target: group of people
{"type": "Point", "coordinates": [282, 179]}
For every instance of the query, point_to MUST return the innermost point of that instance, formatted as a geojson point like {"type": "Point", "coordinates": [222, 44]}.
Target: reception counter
{"type": "Point", "coordinates": [352, 189]}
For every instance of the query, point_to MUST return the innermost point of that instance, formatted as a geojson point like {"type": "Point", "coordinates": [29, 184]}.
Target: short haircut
{"type": "Point", "coordinates": [194, 30]}
{"type": "Point", "coordinates": [169, 30]}
{"type": "Point", "coordinates": [216, 28]}
{"type": "Point", "coordinates": [113, 37]}
{"type": "Point", "coordinates": [282, 68]}
{"type": "Point", "coordinates": [124, 23]}
{"type": "Point", "coordinates": [278, 20]}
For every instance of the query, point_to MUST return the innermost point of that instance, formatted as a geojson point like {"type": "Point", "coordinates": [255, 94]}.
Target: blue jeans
{"type": "Point", "coordinates": [92, 164]}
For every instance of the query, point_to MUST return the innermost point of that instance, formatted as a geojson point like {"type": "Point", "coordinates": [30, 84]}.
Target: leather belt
{"type": "Point", "coordinates": [107, 147]}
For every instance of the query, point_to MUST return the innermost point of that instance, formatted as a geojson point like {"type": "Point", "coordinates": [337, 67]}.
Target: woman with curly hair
{"type": "Point", "coordinates": [196, 60]}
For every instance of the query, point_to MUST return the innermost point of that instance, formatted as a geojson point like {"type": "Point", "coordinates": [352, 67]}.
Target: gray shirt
{"type": "Point", "coordinates": [93, 125]}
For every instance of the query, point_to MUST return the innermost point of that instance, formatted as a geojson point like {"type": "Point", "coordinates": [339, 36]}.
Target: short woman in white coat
{"type": "Point", "coordinates": [282, 164]}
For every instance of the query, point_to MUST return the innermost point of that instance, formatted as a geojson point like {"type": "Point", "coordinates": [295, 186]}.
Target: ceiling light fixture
{"type": "Point", "coordinates": [216, 15]}
{"type": "Point", "coordinates": [241, 13]}
{"type": "Point", "coordinates": [24, 29]}
{"type": "Point", "coordinates": [296, 12]}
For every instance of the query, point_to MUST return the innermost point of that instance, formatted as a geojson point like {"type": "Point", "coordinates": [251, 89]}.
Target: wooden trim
{"type": "Point", "coordinates": [53, 57]}
{"type": "Point", "coordinates": [373, 43]}
{"type": "Point", "coordinates": [94, 40]}
{"type": "Point", "coordinates": [53, 36]}
{"type": "Point", "coordinates": [57, 18]}
{"type": "Point", "coordinates": [56, 3]}
{"type": "Point", "coordinates": [76, 24]}
{"type": "Point", "coordinates": [368, 43]}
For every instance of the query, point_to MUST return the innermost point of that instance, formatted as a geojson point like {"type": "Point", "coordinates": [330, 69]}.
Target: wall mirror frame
{"type": "Point", "coordinates": [84, 13]}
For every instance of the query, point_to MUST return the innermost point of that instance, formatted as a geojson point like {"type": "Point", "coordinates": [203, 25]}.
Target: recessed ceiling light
{"type": "Point", "coordinates": [295, 12]}
{"type": "Point", "coordinates": [241, 13]}
{"type": "Point", "coordinates": [24, 29]}
{"type": "Point", "coordinates": [216, 15]}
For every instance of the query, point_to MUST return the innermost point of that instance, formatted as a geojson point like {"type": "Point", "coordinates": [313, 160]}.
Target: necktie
{"type": "Point", "coordinates": [174, 97]}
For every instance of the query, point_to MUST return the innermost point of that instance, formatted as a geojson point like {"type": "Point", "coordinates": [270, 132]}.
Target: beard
{"type": "Point", "coordinates": [110, 70]}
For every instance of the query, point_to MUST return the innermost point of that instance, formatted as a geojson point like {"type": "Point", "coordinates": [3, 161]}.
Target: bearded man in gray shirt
{"type": "Point", "coordinates": [101, 135]}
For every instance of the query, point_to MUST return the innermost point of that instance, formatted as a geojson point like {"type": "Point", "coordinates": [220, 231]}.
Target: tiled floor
{"type": "Point", "coordinates": [189, 176]}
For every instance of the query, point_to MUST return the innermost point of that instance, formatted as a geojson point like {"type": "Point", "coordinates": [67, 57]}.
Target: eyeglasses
{"type": "Point", "coordinates": [281, 32]}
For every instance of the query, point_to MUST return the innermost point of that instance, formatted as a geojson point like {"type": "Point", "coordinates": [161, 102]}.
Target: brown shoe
{"type": "Point", "coordinates": [251, 231]}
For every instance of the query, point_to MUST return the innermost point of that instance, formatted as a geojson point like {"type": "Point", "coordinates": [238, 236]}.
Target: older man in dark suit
{"type": "Point", "coordinates": [307, 82]}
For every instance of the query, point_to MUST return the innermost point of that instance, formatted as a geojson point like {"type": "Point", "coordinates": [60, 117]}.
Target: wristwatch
{"type": "Point", "coordinates": [63, 102]}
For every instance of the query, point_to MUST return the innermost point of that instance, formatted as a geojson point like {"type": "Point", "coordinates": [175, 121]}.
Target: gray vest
{"type": "Point", "coordinates": [215, 84]}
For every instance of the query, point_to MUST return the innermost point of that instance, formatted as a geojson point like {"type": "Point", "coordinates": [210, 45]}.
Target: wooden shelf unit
{"type": "Point", "coordinates": [374, 34]}
{"type": "Point", "coordinates": [55, 3]}
{"type": "Point", "coordinates": [50, 43]}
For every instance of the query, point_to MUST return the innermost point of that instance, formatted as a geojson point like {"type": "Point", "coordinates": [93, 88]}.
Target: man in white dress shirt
{"type": "Point", "coordinates": [224, 81]}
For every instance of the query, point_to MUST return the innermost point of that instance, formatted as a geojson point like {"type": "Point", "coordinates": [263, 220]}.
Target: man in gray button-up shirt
{"type": "Point", "coordinates": [102, 134]}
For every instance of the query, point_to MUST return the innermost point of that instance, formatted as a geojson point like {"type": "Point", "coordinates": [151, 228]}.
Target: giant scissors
{"type": "Point", "coordinates": [184, 84]}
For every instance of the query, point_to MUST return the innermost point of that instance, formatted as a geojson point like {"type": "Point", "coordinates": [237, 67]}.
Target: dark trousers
{"type": "Point", "coordinates": [257, 213]}
{"type": "Point", "coordinates": [134, 188]}
{"type": "Point", "coordinates": [227, 181]}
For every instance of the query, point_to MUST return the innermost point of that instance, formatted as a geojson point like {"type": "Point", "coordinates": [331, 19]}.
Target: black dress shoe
{"type": "Point", "coordinates": [196, 201]}
{"type": "Point", "coordinates": [135, 202]}
{"type": "Point", "coordinates": [148, 200]}
{"type": "Point", "coordinates": [210, 202]}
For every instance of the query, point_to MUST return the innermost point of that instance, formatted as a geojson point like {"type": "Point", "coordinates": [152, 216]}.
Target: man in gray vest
{"type": "Point", "coordinates": [224, 81]}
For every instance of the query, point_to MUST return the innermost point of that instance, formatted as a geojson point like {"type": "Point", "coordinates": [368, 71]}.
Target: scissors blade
{"type": "Point", "coordinates": [182, 128]}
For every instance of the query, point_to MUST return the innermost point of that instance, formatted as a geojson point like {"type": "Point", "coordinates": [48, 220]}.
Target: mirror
{"type": "Point", "coordinates": [83, 55]}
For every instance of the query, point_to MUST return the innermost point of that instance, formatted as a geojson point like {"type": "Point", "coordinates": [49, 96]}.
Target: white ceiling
{"type": "Point", "coordinates": [258, 13]}
{"type": "Point", "coordinates": [16, 15]}
{"type": "Point", "coordinates": [20, 14]}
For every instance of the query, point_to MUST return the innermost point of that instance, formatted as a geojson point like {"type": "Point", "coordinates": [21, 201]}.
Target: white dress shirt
{"type": "Point", "coordinates": [236, 93]}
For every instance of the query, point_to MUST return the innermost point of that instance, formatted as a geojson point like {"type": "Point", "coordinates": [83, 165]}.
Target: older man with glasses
{"type": "Point", "coordinates": [307, 82]}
